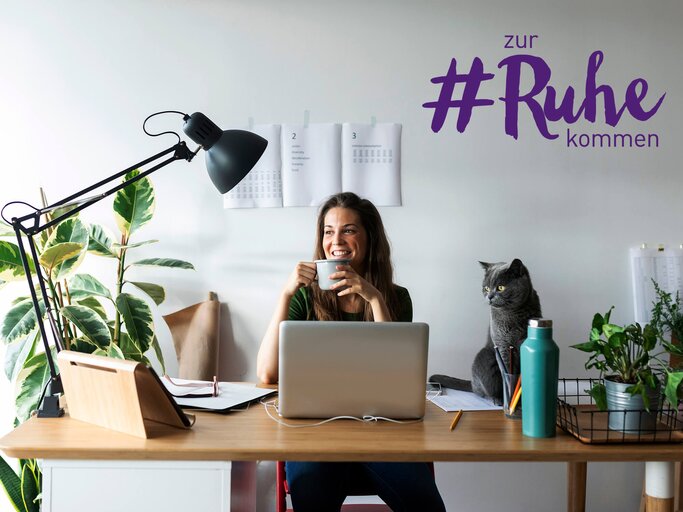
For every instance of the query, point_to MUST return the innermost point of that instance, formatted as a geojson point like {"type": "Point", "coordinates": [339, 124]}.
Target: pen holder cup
{"type": "Point", "coordinates": [509, 385]}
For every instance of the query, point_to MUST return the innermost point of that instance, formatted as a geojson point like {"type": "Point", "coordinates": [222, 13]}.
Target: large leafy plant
{"type": "Point", "coordinates": [90, 317]}
{"type": "Point", "coordinates": [628, 354]}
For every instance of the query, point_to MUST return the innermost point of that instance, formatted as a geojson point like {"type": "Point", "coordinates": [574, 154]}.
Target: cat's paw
{"type": "Point", "coordinates": [496, 400]}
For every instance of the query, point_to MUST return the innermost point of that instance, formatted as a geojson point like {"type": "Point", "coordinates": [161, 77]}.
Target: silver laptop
{"type": "Point", "coordinates": [332, 369]}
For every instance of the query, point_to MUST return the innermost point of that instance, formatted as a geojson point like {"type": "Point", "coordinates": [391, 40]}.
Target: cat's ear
{"type": "Point", "coordinates": [518, 268]}
{"type": "Point", "coordinates": [485, 265]}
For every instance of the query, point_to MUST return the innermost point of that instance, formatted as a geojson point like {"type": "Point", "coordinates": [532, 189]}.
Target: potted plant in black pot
{"type": "Point", "coordinates": [634, 372]}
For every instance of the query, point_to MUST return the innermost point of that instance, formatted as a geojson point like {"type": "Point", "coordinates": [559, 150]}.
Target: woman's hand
{"type": "Point", "coordinates": [351, 282]}
{"type": "Point", "coordinates": [302, 275]}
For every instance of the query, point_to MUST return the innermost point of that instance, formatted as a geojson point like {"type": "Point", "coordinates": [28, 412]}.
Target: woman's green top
{"type": "Point", "coordinates": [301, 307]}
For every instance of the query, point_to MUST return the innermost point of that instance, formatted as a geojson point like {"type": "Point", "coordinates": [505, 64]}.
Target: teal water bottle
{"type": "Point", "coordinates": [540, 360]}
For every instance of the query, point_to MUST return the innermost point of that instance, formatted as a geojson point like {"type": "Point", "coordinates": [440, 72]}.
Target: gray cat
{"type": "Point", "coordinates": [513, 301]}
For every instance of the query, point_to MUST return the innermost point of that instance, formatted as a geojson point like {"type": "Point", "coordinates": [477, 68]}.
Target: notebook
{"type": "Point", "coordinates": [330, 369]}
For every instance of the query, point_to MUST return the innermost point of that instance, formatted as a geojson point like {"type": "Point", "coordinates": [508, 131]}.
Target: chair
{"type": "Point", "coordinates": [282, 489]}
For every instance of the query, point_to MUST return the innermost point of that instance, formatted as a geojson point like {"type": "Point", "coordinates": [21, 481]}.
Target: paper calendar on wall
{"type": "Point", "coordinates": [305, 164]}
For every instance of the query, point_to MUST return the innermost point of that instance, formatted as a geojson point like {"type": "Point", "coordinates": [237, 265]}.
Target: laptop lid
{"type": "Point", "coordinates": [329, 369]}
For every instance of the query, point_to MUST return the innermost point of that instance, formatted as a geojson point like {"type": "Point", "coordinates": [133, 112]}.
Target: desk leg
{"type": "Point", "coordinates": [659, 486]}
{"type": "Point", "coordinates": [576, 486]}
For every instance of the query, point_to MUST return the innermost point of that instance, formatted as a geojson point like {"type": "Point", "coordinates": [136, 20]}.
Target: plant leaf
{"type": "Point", "coordinates": [599, 394]}
{"type": "Point", "coordinates": [115, 352]}
{"type": "Point", "coordinates": [85, 285]}
{"type": "Point", "coordinates": [58, 253]}
{"type": "Point", "coordinates": [6, 229]}
{"type": "Point", "coordinates": [589, 346]}
{"type": "Point", "coordinates": [11, 267]}
{"type": "Point", "coordinates": [94, 304]}
{"type": "Point", "coordinates": [82, 344]}
{"type": "Point", "coordinates": [137, 318]}
{"type": "Point", "coordinates": [617, 339]}
{"type": "Point", "coordinates": [29, 489]}
{"type": "Point", "coordinates": [673, 381]}
{"type": "Point", "coordinates": [89, 323]}
{"type": "Point", "coordinates": [69, 230]}
{"type": "Point", "coordinates": [155, 292]}
{"type": "Point", "coordinates": [598, 322]}
{"type": "Point", "coordinates": [649, 337]}
{"type": "Point", "coordinates": [133, 246]}
{"type": "Point", "coordinates": [610, 329]}
{"type": "Point", "coordinates": [17, 353]}
{"type": "Point", "coordinates": [20, 320]}
{"type": "Point", "coordinates": [12, 483]}
{"type": "Point", "coordinates": [163, 262]}
{"type": "Point", "coordinates": [134, 204]}
{"type": "Point", "coordinates": [100, 241]}
{"type": "Point", "coordinates": [30, 382]}
{"type": "Point", "coordinates": [129, 348]}
{"type": "Point", "coordinates": [159, 353]}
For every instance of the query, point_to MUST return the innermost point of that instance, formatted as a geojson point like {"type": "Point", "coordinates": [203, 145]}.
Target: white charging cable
{"type": "Point", "coordinates": [272, 404]}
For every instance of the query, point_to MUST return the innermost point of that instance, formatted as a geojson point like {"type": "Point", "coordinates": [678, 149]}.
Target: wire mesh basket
{"type": "Point", "coordinates": [578, 415]}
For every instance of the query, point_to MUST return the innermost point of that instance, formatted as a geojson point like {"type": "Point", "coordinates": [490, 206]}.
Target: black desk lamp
{"type": "Point", "coordinates": [230, 155]}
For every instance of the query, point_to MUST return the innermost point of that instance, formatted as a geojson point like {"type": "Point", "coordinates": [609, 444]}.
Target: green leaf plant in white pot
{"type": "Point", "coordinates": [89, 316]}
{"type": "Point", "coordinates": [630, 360]}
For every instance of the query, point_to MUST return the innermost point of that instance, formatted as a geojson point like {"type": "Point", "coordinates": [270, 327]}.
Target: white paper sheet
{"type": "Point", "coordinates": [451, 400]}
{"type": "Point", "coordinates": [230, 394]}
{"type": "Point", "coordinates": [665, 267]}
{"type": "Point", "coordinates": [311, 163]}
{"type": "Point", "coordinates": [262, 187]}
{"type": "Point", "coordinates": [371, 161]}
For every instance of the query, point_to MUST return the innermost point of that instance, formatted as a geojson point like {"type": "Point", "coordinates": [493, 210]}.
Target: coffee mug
{"type": "Point", "coordinates": [325, 268]}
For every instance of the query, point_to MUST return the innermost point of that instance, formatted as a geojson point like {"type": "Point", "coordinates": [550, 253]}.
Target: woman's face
{"type": "Point", "coordinates": [344, 237]}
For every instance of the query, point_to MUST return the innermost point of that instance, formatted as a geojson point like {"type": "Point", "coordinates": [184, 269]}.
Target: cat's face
{"type": "Point", "coordinates": [506, 285]}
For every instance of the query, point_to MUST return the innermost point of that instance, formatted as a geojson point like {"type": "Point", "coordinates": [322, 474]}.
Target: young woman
{"type": "Point", "coordinates": [348, 227]}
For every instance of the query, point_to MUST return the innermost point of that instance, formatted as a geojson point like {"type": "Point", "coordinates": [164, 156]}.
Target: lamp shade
{"type": "Point", "coordinates": [230, 154]}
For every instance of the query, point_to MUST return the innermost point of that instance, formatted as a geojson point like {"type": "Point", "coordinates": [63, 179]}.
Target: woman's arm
{"type": "Point", "coordinates": [267, 359]}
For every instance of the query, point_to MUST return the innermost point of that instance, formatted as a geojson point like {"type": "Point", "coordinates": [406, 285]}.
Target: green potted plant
{"type": "Point", "coordinates": [633, 372]}
{"type": "Point", "coordinates": [667, 317]}
{"type": "Point", "coordinates": [90, 317]}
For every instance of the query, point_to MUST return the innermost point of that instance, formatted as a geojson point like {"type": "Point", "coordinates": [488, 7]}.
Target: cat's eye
{"type": "Point", "coordinates": [501, 288]}
{"type": "Point", "coordinates": [487, 289]}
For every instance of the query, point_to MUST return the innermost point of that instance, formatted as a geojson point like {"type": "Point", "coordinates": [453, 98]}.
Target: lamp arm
{"type": "Point", "coordinates": [50, 406]}
{"type": "Point", "coordinates": [180, 152]}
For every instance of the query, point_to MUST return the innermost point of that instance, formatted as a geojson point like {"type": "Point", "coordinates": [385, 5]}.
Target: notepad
{"type": "Point", "coordinates": [452, 400]}
{"type": "Point", "coordinates": [231, 395]}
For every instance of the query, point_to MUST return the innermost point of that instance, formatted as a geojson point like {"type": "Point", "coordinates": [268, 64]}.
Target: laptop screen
{"type": "Point", "coordinates": [330, 369]}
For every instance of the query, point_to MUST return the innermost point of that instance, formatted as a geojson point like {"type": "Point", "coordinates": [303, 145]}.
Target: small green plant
{"type": "Point", "coordinates": [628, 354]}
{"type": "Point", "coordinates": [667, 313]}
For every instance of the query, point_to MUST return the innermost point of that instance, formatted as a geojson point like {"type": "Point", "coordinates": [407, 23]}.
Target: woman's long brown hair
{"type": "Point", "coordinates": [378, 269]}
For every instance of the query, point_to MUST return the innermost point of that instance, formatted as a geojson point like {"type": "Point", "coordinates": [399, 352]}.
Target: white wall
{"type": "Point", "coordinates": [79, 77]}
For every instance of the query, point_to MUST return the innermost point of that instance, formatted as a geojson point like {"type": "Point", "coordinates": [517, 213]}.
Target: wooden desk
{"type": "Point", "coordinates": [251, 435]}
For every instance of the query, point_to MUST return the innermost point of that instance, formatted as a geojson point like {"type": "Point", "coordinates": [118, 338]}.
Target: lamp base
{"type": "Point", "coordinates": [50, 408]}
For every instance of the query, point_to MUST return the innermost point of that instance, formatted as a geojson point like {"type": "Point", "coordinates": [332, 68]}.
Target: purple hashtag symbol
{"type": "Point", "coordinates": [469, 100]}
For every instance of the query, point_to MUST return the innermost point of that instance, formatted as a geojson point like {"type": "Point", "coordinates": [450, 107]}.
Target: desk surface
{"type": "Point", "coordinates": [252, 435]}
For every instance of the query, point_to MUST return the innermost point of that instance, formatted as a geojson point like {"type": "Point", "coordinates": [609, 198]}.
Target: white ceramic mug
{"type": "Point", "coordinates": [325, 268]}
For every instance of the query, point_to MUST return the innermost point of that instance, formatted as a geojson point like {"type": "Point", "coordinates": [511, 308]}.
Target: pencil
{"type": "Point", "coordinates": [516, 395]}
{"type": "Point", "coordinates": [456, 419]}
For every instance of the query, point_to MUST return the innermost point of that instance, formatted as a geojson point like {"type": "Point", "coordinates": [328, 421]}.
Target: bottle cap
{"type": "Point", "coordinates": [542, 323]}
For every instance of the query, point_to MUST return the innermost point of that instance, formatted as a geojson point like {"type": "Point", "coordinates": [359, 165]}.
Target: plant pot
{"type": "Point", "coordinates": [636, 419]}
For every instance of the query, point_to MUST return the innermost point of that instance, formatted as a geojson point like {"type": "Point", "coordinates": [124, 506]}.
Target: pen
{"type": "Point", "coordinates": [456, 419]}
